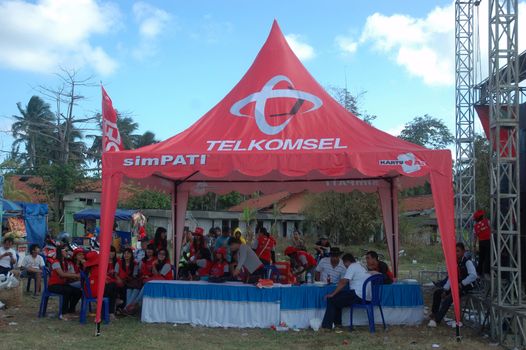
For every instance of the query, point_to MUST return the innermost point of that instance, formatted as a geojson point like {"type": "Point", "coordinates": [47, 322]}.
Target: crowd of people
{"type": "Point", "coordinates": [219, 256]}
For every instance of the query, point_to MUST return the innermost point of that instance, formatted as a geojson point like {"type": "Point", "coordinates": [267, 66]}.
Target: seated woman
{"type": "Point", "coordinates": [57, 282]}
{"type": "Point", "coordinates": [7, 255]}
{"type": "Point", "coordinates": [162, 270]}
{"type": "Point", "coordinates": [199, 262]}
{"type": "Point", "coordinates": [375, 265]}
{"type": "Point", "coordinates": [33, 265]}
{"type": "Point", "coordinates": [219, 268]}
{"type": "Point", "coordinates": [76, 264]}
{"type": "Point", "coordinates": [91, 268]}
{"type": "Point", "coordinates": [128, 273]}
{"type": "Point", "coordinates": [160, 240]}
{"type": "Point", "coordinates": [146, 264]}
{"type": "Point", "coordinates": [114, 268]}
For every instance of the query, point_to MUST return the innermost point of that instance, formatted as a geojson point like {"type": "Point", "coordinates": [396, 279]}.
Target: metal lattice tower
{"type": "Point", "coordinates": [465, 134]}
{"type": "Point", "coordinates": [504, 96]}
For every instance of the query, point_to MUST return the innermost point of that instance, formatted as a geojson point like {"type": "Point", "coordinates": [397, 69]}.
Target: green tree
{"type": "Point", "coordinates": [146, 139]}
{"type": "Point", "coordinates": [59, 180]}
{"type": "Point", "coordinates": [427, 131]}
{"type": "Point", "coordinates": [345, 217]}
{"type": "Point", "coordinates": [148, 199]}
{"type": "Point", "coordinates": [351, 102]}
{"type": "Point", "coordinates": [33, 130]}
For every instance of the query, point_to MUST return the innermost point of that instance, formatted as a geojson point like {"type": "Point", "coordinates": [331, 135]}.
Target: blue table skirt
{"type": "Point", "coordinates": [211, 291]}
{"type": "Point", "coordinates": [313, 297]}
{"type": "Point", "coordinates": [290, 298]}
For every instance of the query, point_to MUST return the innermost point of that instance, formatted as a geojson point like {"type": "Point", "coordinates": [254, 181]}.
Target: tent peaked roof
{"type": "Point", "coordinates": [277, 121]}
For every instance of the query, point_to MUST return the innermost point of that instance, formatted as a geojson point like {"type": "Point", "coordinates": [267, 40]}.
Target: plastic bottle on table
{"type": "Point", "coordinates": [308, 278]}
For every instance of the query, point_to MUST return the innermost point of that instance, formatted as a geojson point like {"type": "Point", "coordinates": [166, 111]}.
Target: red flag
{"type": "Point", "coordinates": [111, 138]}
{"type": "Point", "coordinates": [111, 141]}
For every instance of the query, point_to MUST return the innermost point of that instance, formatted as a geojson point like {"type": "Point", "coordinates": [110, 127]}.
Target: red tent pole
{"type": "Point", "coordinates": [174, 229]}
{"type": "Point", "coordinates": [393, 231]}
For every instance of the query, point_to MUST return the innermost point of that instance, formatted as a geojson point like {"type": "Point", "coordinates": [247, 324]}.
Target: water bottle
{"type": "Point", "coordinates": [309, 277]}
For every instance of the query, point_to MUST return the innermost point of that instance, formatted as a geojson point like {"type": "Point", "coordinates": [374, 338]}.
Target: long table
{"type": "Point", "coordinates": [238, 305]}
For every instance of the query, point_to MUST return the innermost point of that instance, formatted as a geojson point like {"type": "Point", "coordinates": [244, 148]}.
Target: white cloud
{"type": "Point", "coordinates": [303, 50]}
{"type": "Point", "coordinates": [346, 45]}
{"type": "Point", "coordinates": [152, 23]}
{"type": "Point", "coordinates": [425, 46]}
{"type": "Point", "coordinates": [44, 35]}
{"type": "Point", "coordinates": [395, 130]}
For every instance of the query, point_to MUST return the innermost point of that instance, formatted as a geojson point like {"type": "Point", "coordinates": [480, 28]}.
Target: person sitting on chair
{"type": "Point", "coordinates": [442, 298]}
{"type": "Point", "coordinates": [331, 270]}
{"type": "Point", "coordinates": [58, 284]}
{"type": "Point", "coordinates": [355, 277]}
{"type": "Point", "coordinates": [374, 264]}
{"type": "Point", "coordinates": [33, 265]}
{"type": "Point", "coordinates": [249, 267]}
{"type": "Point", "coordinates": [91, 268]}
{"type": "Point", "coordinates": [219, 268]}
{"type": "Point", "coordinates": [7, 256]}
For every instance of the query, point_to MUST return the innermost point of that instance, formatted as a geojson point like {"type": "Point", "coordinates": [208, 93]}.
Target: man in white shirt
{"type": "Point", "coordinates": [7, 256]}
{"type": "Point", "coordinates": [442, 298]}
{"type": "Point", "coordinates": [33, 265]}
{"type": "Point", "coordinates": [355, 276]}
{"type": "Point", "coordinates": [331, 270]}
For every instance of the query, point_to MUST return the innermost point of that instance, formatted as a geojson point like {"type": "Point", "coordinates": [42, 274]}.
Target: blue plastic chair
{"type": "Point", "coordinates": [272, 270]}
{"type": "Point", "coordinates": [87, 299]}
{"type": "Point", "coordinates": [375, 281]}
{"type": "Point", "coordinates": [46, 294]}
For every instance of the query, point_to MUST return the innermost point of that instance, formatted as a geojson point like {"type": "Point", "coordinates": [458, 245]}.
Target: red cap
{"type": "Point", "coordinates": [78, 251]}
{"type": "Point", "coordinates": [222, 251]}
{"type": "Point", "coordinates": [199, 231]}
{"type": "Point", "coordinates": [92, 259]}
{"type": "Point", "coordinates": [478, 214]}
{"type": "Point", "coordinates": [290, 250]}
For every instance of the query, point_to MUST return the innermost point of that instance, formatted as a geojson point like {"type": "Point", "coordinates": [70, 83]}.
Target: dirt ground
{"type": "Point", "coordinates": [21, 329]}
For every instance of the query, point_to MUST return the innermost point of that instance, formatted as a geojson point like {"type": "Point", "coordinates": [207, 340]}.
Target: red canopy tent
{"type": "Point", "coordinates": [279, 130]}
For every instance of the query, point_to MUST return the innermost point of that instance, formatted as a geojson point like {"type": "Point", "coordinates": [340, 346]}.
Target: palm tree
{"type": "Point", "coordinates": [148, 138]}
{"type": "Point", "coordinates": [32, 129]}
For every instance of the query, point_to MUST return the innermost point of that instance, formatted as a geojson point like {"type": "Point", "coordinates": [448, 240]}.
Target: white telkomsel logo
{"type": "Point", "coordinates": [266, 93]}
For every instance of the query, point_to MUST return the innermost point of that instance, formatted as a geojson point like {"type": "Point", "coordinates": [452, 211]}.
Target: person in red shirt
{"type": "Point", "coordinates": [160, 239]}
{"type": "Point", "coordinates": [146, 265]}
{"type": "Point", "coordinates": [58, 284]}
{"type": "Point", "coordinates": [128, 272]}
{"type": "Point", "coordinates": [301, 262]}
{"type": "Point", "coordinates": [114, 269]}
{"type": "Point", "coordinates": [219, 268]}
{"type": "Point", "coordinates": [482, 230]}
{"type": "Point", "coordinates": [162, 269]}
{"type": "Point", "coordinates": [264, 246]}
{"type": "Point", "coordinates": [91, 267]}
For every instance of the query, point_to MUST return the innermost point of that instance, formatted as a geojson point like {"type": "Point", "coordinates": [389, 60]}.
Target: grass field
{"type": "Point", "coordinates": [21, 329]}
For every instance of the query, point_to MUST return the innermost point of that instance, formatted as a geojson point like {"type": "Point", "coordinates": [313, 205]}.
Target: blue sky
{"type": "Point", "coordinates": [169, 62]}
